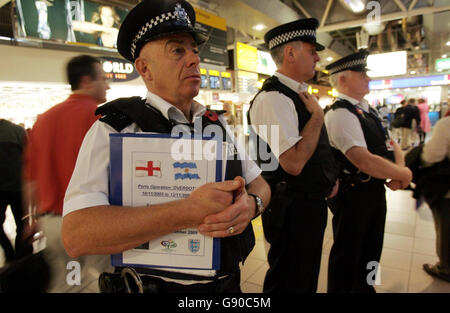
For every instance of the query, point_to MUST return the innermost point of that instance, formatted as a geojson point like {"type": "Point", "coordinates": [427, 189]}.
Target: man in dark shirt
{"type": "Point", "coordinates": [411, 118]}
{"type": "Point", "coordinates": [12, 140]}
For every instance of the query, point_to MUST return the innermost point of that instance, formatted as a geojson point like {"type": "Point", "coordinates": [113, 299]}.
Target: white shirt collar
{"type": "Point", "coordinates": [293, 84]}
{"type": "Point", "coordinates": [363, 103]}
{"type": "Point", "coordinates": [171, 112]}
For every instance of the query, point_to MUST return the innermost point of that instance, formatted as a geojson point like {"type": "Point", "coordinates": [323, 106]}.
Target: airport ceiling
{"type": "Point", "coordinates": [422, 27]}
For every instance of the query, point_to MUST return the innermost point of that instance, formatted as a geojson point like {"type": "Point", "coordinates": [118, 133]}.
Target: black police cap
{"type": "Point", "coordinates": [151, 19]}
{"type": "Point", "coordinates": [354, 62]}
{"type": "Point", "coordinates": [303, 30]}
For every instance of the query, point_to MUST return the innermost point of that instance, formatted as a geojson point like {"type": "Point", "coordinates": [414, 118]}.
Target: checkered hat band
{"type": "Point", "coordinates": [151, 24]}
{"type": "Point", "coordinates": [348, 64]}
{"type": "Point", "coordinates": [280, 39]}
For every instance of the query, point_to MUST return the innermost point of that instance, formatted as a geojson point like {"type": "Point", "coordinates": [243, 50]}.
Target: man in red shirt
{"type": "Point", "coordinates": [50, 158]}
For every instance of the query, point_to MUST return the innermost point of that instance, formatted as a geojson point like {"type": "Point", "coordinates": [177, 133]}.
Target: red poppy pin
{"type": "Point", "coordinates": [211, 115]}
{"type": "Point", "coordinates": [359, 111]}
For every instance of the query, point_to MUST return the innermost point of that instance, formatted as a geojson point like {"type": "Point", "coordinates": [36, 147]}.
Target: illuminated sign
{"type": "Point", "coordinates": [387, 64]}
{"type": "Point", "coordinates": [410, 82]}
{"type": "Point", "coordinates": [246, 57]}
{"type": "Point", "coordinates": [214, 80]}
{"type": "Point", "coordinates": [118, 70]}
{"type": "Point", "coordinates": [265, 63]}
{"type": "Point", "coordinates": [226, 80]}
{"type": "Point", "coordinates": [442, 64]}
{"type": "Point", "coordinates": [84, 23]}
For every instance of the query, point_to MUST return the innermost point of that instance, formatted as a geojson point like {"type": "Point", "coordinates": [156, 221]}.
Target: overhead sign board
{"type": "Point", "coordinates": [214, 50]}
{"type": "Point", "coordinates": [246, 57]}
{"type": "Point", "coordinates": [387, 64]}
{"type": "Point", "coordinates": [410, 82]}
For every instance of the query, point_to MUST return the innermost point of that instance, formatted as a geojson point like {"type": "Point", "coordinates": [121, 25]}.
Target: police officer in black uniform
{"type": "Point", "coordinates": [369, 159]}
{"type": "Point", "coordinates": [305, 172]}
{"type": "Point", "coordinates": [159, 37]}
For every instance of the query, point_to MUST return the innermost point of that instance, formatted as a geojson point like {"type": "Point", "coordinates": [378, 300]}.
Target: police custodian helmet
{"type": "Point", "coordinates": [302, 30]}
{"type": "Point", "coordinates": [354, 62]}
{"type": "Point", "coordinates": [151, 19]}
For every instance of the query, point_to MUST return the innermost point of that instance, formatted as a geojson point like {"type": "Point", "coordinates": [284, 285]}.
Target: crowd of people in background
{"type": "Point", "coordinates": [411, 123]}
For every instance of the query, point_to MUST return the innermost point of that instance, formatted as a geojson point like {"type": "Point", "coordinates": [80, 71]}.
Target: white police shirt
{"type": "Point", "coordinates": [343, 127]}
{"type": "Point", "coordinates": [274, 108]}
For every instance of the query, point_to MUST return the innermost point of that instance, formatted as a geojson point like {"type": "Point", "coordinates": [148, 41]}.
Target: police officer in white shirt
{"type": "Point", "coordinates": [368, 158]}
{"type": "Point", "coordinates": [159, 37]}
{"type": "Point", "coordinates": [305, 173]}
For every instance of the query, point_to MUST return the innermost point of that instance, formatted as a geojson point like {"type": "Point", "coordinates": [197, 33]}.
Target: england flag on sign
{"type": "Point", "coordinates": [185, 170]}
{"type": "Point", "coordinates": [148, 168]}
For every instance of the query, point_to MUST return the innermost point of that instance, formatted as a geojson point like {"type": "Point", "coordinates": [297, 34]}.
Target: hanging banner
{"type": "Point", "coordinates": [71, 21]}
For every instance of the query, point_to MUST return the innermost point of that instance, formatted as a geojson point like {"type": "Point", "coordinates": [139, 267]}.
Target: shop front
{"type": "Point", "coordinates": [433, 89]}
{"type": "Point", "coordinates": [33, 79]}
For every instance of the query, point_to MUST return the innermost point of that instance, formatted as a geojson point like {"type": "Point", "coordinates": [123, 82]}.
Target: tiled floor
{"type": "Point", "coordinates": [409, 241]}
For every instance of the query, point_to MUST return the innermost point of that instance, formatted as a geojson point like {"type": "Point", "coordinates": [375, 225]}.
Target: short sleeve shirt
{"type": "Point", "coordinates": [271, 109]}
{"type": "Point", "coordinates": [343, 127]}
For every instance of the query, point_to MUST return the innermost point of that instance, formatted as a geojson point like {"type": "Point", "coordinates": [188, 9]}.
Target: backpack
{"type": "Point", "coordinates": [399, 120]}
{"type": "Point", "coordinates": [432, 182]}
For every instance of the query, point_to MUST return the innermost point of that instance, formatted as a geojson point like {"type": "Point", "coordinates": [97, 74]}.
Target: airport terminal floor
{"type": "Point", "coordinates": [409, 241]}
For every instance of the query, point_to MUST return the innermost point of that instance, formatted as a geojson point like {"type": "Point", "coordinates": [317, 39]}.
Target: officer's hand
{"type": "Point", "coordinates": [394, 185]}
{"type": "Point", "coordinates": [212, 198]}
{"type": "Point", "coordinates": [335, 190]}
{"type": "Point", "coordinates": [237, 216]}
{"type": "Point", "coordinates": [311, 103]}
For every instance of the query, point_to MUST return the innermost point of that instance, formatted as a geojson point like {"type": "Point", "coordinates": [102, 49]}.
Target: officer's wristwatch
{"type": "Point", "coordinates": [259, 205]}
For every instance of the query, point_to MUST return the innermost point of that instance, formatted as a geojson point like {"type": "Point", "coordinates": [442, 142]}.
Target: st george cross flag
{"type": "Point", "coordinates": [148, 168]}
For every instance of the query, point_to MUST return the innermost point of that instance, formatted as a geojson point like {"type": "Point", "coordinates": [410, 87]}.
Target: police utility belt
{"type": "Point", "coordinates": [352, 179]}
{"type": "Point", "coordinates": [128, 280]}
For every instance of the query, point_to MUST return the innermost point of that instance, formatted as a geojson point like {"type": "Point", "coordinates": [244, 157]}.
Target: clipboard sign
{"type": "Point", "coordinates": [148, 169]}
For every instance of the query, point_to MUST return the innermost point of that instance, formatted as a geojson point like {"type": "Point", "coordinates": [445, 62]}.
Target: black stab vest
{"type": "Point", "coordinates": [374, 134]}
{"type": "Point", "coordinates": [320, 172]}
{"type": "Point", "coordinates": [121, 113]}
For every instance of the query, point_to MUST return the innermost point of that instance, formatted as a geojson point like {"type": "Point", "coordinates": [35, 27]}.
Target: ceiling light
{"type": "Point", "coordinates": [330, 59]}
{"type": "Point", "coordinates": [356, 6]}
{"type": "Point", "coordinates": [444, 56]}
{"type": "Point", "coordinates": [259, 27]}
{"type": "Point", "coordinates": [374, 28]}
{"type": "Point", "coordinates": [448, 43]}
{"type": "Point", "coordinates": [412, 72]}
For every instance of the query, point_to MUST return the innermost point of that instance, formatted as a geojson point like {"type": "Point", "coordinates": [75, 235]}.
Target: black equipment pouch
{"type": "Point", "coordinates": [273, 217]}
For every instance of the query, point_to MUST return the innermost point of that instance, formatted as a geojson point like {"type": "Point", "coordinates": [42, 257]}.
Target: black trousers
{"type": "Point", "coordinates": [22, 248]}
{"type": "Point", "coordinates": [441, 216]}
{"type": "Point", "coordinates": [359, 215]}
{"type": "Point", "coordinates": [296, 247]}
